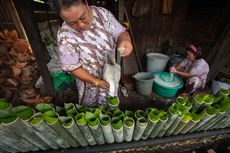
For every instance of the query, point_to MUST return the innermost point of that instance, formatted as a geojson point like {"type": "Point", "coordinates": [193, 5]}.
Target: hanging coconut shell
{"type": "Point", "coordinates": [28, 93]}
{"type": "Point", "coordinates": [9, 36]}
{"type": "Point", "coordinates": [21, 58]}
{"type": "Point", "coordinates": [7, 93]}
{"type": "Point", "coordinates": [13, 81]}
{"type": "Point", "coordinates": [27, 71]}
{"type": "Point", "coordinates": [16, 71]}
{"type": "Point", "coordinates": [5, 71]}
{"type": "Point", "coordinates": [37, 100]}
{"type": "Point", "coordinates": [21, 46]}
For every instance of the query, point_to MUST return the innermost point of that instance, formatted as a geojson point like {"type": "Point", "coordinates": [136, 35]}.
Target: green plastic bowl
{"type": "Point", "coordinates": [166, 91]}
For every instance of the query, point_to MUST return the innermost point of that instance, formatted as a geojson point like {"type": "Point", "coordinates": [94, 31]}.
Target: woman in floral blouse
{"type": "Point", "coordinates": [194, 69]}
{"type": "Point", "coordinates": [86, 35]}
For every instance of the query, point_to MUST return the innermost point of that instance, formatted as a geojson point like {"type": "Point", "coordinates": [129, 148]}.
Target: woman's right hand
{"type": "Point", "coordinates": [103, 84]}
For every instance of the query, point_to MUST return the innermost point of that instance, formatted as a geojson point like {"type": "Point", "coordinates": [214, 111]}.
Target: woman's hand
{"type": "Point", "coordinates": [103, 84]}
{"type": "Point", "coordinates": [173, 70]}
{"type": "Point", "coordinates": [125, 46]}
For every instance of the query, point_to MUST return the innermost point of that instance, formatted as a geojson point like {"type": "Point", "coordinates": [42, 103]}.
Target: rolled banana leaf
{"type": "Point", "coordinates": [195, 118]}
{"type": "Point", "coordinates": [104, 108]}
{"type": "Point", "coordinates": [140, 126]}
{"type": "Point", "coordinates": [182, 100]}
{"type": "Point", "coordinates": [4, 105]}
{"type": "Point", "coordinates": [153, 118]}
{"type": "Point", "coordinates": [117, 127]}
{"type": "Point", "coordinates": [25, 113]}
{"type": "Point", "coordinates": [185, 119]}
{"type": "Point", "coordinates": [113, 102]}
{"type": "Point", "coordinates": [139, 114]}
{"type": "Point", "coordinates": [6, 146]}
{"type": "Point", "coordinates": [129, 113]}
{"type": "Point", "coordinates": [15, 128]}
{"type": "Point", "coordinates": [118, 113]}
{"type": "Point", "coordinates": [96, 111]}
{"type": "Point", "coordinates": [106, 128]}
{"type": "Point", "coordinates": [224, 92]}
{"type": "Point", "coordinates": [51, 138]}
{"type": "Point", "coordinates": [223, 122]}
{"type": "Point", "coordinates": [51, 118]}
{"type": "Point", "coordinates": [82, 124]}
{"type": "Point", "coordinates": [94, 125]}
{"type": "Point", "coordinates": [209, 112]}
{"type": "Point", "coordinates": [129, 124]}
{"type": "Point", "coordinates": [43, 107]}
{"type": "Point", "coordinates": [160, 124]}
{"type": "Point", "coordinates": [81, 108]}
{"type": "Point", "coordinates": [71, 127]}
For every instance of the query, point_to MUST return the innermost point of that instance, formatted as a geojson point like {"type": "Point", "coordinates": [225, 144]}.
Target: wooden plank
{"type": "Point", "coordinates": [26, 15]}
{"type": "Point", "coordinates": [222, 57]}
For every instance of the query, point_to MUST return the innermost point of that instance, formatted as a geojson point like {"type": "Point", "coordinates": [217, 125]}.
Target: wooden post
{"type": "Point", "coordinates": [25, 12]}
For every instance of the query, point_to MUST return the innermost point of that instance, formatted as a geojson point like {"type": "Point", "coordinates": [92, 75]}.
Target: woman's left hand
{"type": "Point", "coordinates": [125, 46]}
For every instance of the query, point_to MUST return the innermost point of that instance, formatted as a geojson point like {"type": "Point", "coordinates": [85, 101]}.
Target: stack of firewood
{"type": "Point", "coordinates": [18, 69]}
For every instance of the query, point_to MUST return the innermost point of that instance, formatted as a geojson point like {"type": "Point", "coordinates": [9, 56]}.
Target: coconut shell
{"type": "Point", "coordinates": [13, 81]}
{"type": "Point", "coordinates": [20, 65]}
{"type": "Point", "coordinates": [21, 46]}
{"type": "Point", "coordinates": [16, 71]}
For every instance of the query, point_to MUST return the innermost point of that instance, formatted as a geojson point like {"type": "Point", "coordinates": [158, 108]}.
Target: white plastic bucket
{"type": "Point", "coordinates": [216, 86]}
{"type": "Point", "coordinates": [156, 62]}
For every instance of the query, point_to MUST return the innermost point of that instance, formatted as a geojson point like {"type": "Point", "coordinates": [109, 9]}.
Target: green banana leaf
{"type": "Point", "coordinates": [81, 108]}
{"type": "Point", "coordinates": [94, 125]}
{"type": "Point", "coordinates": [60, 110]}
{"type": "Point", "coordinates": [117, 127]}
{"type": "Point", "coordinates": [82, 124]}
{"type": "Point", "coordinates": [129, 124]}
{"type": "Point", "coordinates": [185, 119]}
{"type": "Point", "coordinates": [113, 102]}
{"type": "Point", "coordinates": [43, 107]}
{"type": "Point", "coordinates": [51, 118]}
{"type": "Point", "coordinates": [129, 113]}
{"type": "Point", "coordinates": [71, 127]}
{"type": "Point", "coordinates": [118, 113]}
{"type": "Point", "coordinates": [140, 126]}
{"type": "Point", "coordinates": [4, 105]}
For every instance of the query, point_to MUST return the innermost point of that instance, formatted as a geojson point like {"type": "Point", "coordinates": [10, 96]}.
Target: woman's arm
{"type": "Point", "coordinates": [125, 44]}
{"type": "Point", "coordinates": [84, 75]}
{"type": "Point", "coordinates": [183, 74]}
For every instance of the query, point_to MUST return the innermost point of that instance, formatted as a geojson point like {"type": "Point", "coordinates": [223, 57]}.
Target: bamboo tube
{"type": "Point", "coordinates": [12, 123]}
{"type": "Point", "coordinates": [185, 119]}
{"type": "Point", "coordinates": [51, 118]}
{"type": "Point", "coordinates": [94, 125]}
{"type": "Point", "coordinates": [129, 124]}
{"type": "Point", "coordinates": [195, 118]}
{"type": "Point", "coordinates": [81, 108]}
{"type": "Point", "coordinates": [82, 124]}
{"type": "Point", "coordinates": [172, 117]}
{"type": "Point", "coordinates": [70, 109]}
{"type": "Point", "coordinates": [113, 102]}
{"type": "Point", "coordinates": [160, 124]}
{"type": "Point", "coordinates": [118, 113]}
{"type": "Point", "coordinates": [70, 126]}
{"type": "Point", "coordinates": [107, 129]}
{"type": "Point", "coordinates": [117, 128]}
{"type": "Point", "coordinates": [54, 140]}
{"type": "Point", "coordinates": [209, 112]}
{"type": "Point", "coordinates": [139, 114]}
{"type": "Point", "coordinates": [140, 126]}
{"type": "Point", "coordinates": [153, 118]}
{"type": "Point", "coordinates": [25, 113]}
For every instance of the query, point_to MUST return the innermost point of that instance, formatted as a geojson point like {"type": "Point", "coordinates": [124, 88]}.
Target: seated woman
{"type": "Point", "coordinates": [193, 69]}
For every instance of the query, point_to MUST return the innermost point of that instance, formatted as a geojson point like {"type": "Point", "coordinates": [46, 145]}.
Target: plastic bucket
{"type": "Point", "coordinates": [144, 82]}
{"type": "Point", "coordinates": [216, 86]}
{"type": "Point", "coordinates": [156, 62]}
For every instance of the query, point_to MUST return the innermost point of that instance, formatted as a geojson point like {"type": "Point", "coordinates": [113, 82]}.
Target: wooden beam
{"type": "Point", "coordinates": [25, 13]}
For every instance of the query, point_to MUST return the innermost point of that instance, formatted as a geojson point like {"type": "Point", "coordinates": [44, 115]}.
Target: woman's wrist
{"type": "Point", "coordinates": [96, 82]}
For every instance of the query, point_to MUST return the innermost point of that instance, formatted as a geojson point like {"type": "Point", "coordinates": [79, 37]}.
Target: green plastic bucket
{"type": "Point", "coordinates": [164, 90]}
{"type": "Point", "coordinates": [62, 81]}
{"type": "Point", "coordinates": [156, 62]}
{"type": "Point", "coordinates": [144, 82]}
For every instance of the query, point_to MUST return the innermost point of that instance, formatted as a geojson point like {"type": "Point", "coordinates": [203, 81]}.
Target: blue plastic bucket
{"type": "Point", "coordinates": [156, 62]}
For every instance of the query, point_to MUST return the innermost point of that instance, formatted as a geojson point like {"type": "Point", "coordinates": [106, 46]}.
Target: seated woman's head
{"type": "Point", "coordinates": [76, 13]}
{"type": "Point", "coordinates": [193, 52]}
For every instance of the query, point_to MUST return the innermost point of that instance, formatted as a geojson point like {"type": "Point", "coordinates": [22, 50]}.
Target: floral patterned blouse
{"type": "Point", "coordinates": [87, 49]}
{"type": "Point", "coordinates": [200, 68]}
